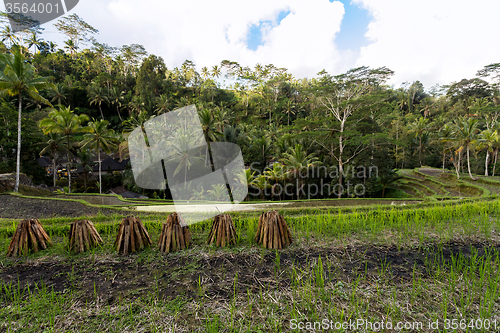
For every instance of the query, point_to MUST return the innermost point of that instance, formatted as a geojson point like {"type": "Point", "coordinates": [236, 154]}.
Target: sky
{"type": "Point", "coordinates": [434, 41]}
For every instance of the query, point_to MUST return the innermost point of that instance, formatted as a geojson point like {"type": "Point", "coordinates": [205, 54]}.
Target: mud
{"type": "Point", "coordinates": [150, 274]}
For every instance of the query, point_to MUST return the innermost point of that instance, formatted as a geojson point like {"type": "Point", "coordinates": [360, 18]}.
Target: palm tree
{"type": "Point", "coordinates": [445, 136]}
{"type": "Point", "coordinates": [18, 76]}
{"type": "Point", "coordinates": [71, 47]}
{"type": "Point", "coordinates": [419, 127]}
{"type": "Point", "coordinates": [465, 131]}
{"type": "Point", "coordinates": [97, 95]}
{"type": "Point", "coordinates": [487, 140]}
{"type": "Point", "coordinates": [297, 160]}
{"type": "Point", "coordinates": [181, 146]}
{"type": "Point", "coordinates": [33, 40]}
{"type": "Point", "coordinates": [275, 174]}
{"type": "Point", "coordinates": [55, 145]}
{"type": "Point", "coordinates": [85, 160]}
{"type": "Point", "coordinates": [162, 104]}
{"type": "Point", "coordinates": [8, 34]}
{"type": "Point", "coordinates": [99, 136]}
{"type": "Point", "coordinates": [59, 93]}
{"type": "Point", "coordinates": [216, 72]}
{"type": "Point", "coordinates": [115, 97]}
{"type": "Point", "coordinates": [64, 121]}
{"type": "Point", "coordinates": [209, 127]}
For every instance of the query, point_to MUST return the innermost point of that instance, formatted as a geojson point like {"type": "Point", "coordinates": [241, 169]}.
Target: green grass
{"type": "Point", "coordinates": [391, 263]}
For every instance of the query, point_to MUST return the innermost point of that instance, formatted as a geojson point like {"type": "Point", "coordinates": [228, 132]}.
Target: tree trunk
{"type": "Point", "coordinates": [68, 166]}
{"type": "Point", "coordinates": [54, 169]}
{"type": "Point", "coordinates": [18, 152]}
{"type": "Point", "coordinates": [495, 164]}
{"type": "Point", "coordinates": [119, 115]}
{"type": "Point", "coordinates": [486, 164]}
{"type": "Point", "coordinates": [444, 158]}
{"type": "Point", "coordinates": [102, 116]}
{"type": "Point", "coordinates": [420, 151]}
{"type": "Point", "coordinates": [99, 161]}
{"type": "Point", "coordinates": [468, 163]}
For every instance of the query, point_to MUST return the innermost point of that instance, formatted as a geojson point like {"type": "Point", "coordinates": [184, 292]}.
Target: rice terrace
{"type": "Point", "coordinates": [143, 194]}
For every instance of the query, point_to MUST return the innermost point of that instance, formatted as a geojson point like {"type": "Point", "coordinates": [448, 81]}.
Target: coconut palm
{"type": "Point", "coordinates": [56, 144]}
{"type": "Point", "coordinates": [85, 157]}
{"type": "Point", "coordinates": [65, 122]}
{"type": "Point", "coordinates": [297, 160]}
{"type": "Point", "coordinates": [97, 95]}
{"type": "Point", "coordinates": [99, 137]}
{"type": "Point", "coordinates": [465, 132]}
{"type": "Point", "coordinates": [445, 137]}
{"type": "Point", "coordinates": [162, 104]}
{"type": "Point", "coordinates": [420, 127]}
{"type": "Point", "coordinates": [17, 77]}
{"type": "Point", "coordinates": [59, 93]}
{"type": "Point", "coordinates": [8, 35]}
{"type": "Point", "coordinates": [181, 146]}
{"type": "Point", "coordinates": [209, 127]}
{"type": "Point", "coordinates": [487, 140]}
{"type": "Point", "coordinates": [275, 174]}
{"type": "Point", "coordinates": [115, 97]}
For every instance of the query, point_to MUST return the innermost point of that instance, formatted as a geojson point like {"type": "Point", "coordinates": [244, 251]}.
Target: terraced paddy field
{"type": "Point", "coordinates": [409, 262]}
{"type": "Point", "coordinates": [435, 184]}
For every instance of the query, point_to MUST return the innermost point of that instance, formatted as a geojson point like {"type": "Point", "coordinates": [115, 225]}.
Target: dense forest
{"type": "Point", "coordinates": [81, 99]}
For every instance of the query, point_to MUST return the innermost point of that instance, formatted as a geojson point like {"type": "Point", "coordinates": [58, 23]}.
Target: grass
{"type": "Point", "coordinates": [438, 261]}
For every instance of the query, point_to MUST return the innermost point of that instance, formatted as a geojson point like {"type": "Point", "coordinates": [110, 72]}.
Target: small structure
{"type": "Point", "coordinates": [29, 235]}
{"type": "Point", "coordinates": [132, 236]}
{"type": "Point", "coordinates": [223, 232]}
{"type": "Point", "coordinates": [108, 164]}
{"type": "Point", "coordinates": [273, 232]}
{"type": "Point", "coordinates": [83, 236]}
{"type": "Point", "coordinates": [173, 235]}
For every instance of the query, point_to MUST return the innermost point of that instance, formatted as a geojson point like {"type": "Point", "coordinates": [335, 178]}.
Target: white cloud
{"type": "Point", "coordinates": [427, 40]}
{"type": "Point", "coordinates": [431, 41]}
{"type": "Point", "coordinates": [208, 32]}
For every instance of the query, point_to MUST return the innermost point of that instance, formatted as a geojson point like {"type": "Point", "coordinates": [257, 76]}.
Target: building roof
{"type": "Point", "coordinates": [43, 161]}
{"type": "Point", "coordinates": [108, 164]}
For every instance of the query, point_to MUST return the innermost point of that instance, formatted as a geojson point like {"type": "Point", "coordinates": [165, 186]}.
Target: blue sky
{"type": "Point", "coordinates": [427, 40]}
{"type": "Point", "coordinates": [352, 30]}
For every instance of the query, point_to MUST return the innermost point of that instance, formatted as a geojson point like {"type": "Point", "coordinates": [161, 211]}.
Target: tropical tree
{"type": "Point", "coordinates": [85, 161]}
{"type": "Point", "coordinates": [445, 137]}
{"type": "Point", "coordinates": [65, 122]}
{"type": "Point", "coordinates": [99, 137]}
{"type": "Point", "coordinates": [8, 35]}
{"type": "Point", "coordinates": [162, 104]}
{"type": "Point", "coordinates": [275, 174]}
{"type": "Point", "coordinates": [115, 97]}
{"type": "Point", "coordinates": [17, 77]}
{"type": "Point", "coordinates": [97, 95]}
{"type": "Point", "coordinates": [388, 178]}
{"type": "Point", "coordinates": [56, 144]}
{"type": "Point", "coordinates": [297, 160]}
{"type": "Point", "coordinates": [420, 128]}
{"type": "Point", "coordinates": [59, 93]}
{"type": "Point", "coordinates": [465, 132]}
{"type": "Point", "coordinates": [487, 141]}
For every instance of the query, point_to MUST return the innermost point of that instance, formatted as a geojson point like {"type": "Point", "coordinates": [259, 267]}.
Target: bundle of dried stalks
{"type": "Point", "coordinates": [173, 235]}
{"type": "Point", "coordinates": [132, 236]}
{"type": "Point", "coordinates": [29, 235]}
{"type": "Point", "coordinates": [83, 236]}
{"type": "Point", "coordinates": [273, 232]}
{"type": "Point", "coordinates": [223, 232]}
